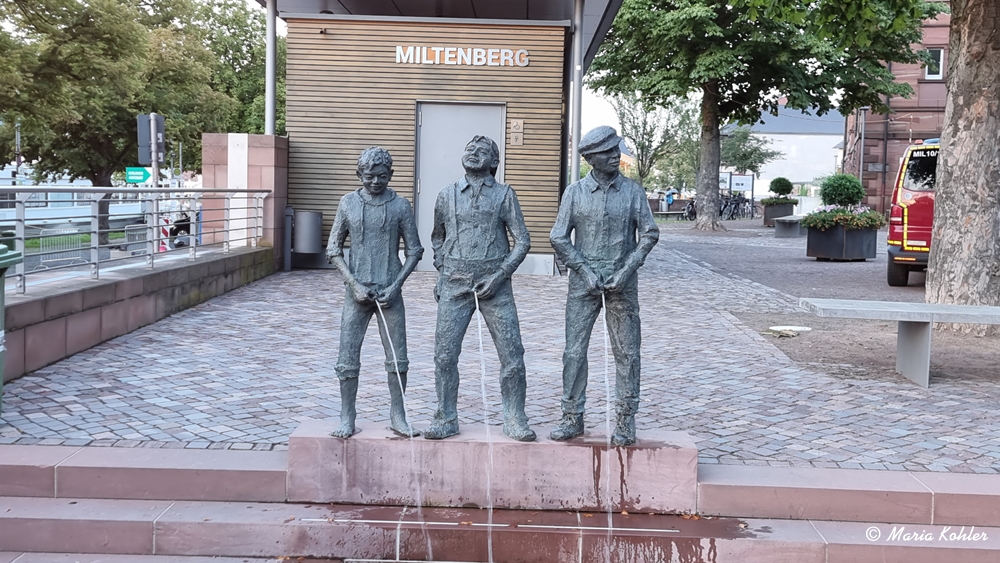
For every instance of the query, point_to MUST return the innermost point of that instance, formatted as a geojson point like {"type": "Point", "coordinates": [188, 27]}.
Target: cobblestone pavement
{"type": "Point", "coordinates": [242, 370]}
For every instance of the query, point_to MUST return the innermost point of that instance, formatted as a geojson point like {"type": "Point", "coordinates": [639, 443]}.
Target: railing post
{"type": "Point", "coordinates": [225, 223]}
{"type": "Point", "coordinates": [148, 204]}
{"type": "Point", "coordinates": [19, 200]}
{"type": "Point", "coordinates": [95, 237]}
{"type": "Point", "coordinates": [193, 229]}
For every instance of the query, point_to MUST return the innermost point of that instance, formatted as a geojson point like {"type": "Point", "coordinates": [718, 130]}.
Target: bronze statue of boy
{"type": "Point", "coordinates": [472, 220]}
{"type": "Point", "coordinates": [614, 231]}
{"type": "Point", "coordinates": [375, 219]}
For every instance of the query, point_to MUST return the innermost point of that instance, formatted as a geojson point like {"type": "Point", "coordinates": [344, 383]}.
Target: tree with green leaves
{"type": "Point", "coordinates": [745, 152]}
{"type": "Point", "coordinates": [104, 62]}
{"type": "Point", "coordinates": [679, 169]}
{"type": "Point", "coordinates": [236, 34]}
{"type": "Point", "coordinates": [742, 64]}
{"type": "Point", "coordinates": [93, 66]}
{"type": "Point", "coordinates": [650, 132]}
{"type": "Point", "coordinates": [964, 254]}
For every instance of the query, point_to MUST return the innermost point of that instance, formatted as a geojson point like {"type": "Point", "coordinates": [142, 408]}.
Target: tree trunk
{"type": "Point", "coordinates": [707, 202]}
{"type": "Point", "coordinates": [964, 263]}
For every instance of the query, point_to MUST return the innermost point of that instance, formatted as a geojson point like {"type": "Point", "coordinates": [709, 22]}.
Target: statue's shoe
{"type": "Point", "coordinates": [519, 431]}
{"type": "Point", "coordinates": [440, 430]}
{"type": "Point", "coordinates": [570, 427]}
{"type": "Point", "coordinates": [624, 434]}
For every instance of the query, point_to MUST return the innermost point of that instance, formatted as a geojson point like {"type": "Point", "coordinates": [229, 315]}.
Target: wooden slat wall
{"type": "Point", "coordinates": [345, 92]}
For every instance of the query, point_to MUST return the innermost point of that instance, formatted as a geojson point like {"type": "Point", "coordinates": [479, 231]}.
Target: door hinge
{"type": "Point", "coordinates": [420, 119]}
{"type": "Point", "coordinates": [418, 185]}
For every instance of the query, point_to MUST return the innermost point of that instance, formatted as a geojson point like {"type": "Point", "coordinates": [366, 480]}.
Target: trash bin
{"type": "Point", "coordinates": [308, 231]}
{"type": "Point", "coordinates": [7, 259]}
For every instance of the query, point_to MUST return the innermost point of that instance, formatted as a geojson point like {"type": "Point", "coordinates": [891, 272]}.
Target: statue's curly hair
{"type": "Point", "coordinates": [373, 156]}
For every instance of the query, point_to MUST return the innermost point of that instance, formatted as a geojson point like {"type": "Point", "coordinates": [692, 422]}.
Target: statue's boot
{"type": "Point", "coordinates": [624, 434]}
{"type": "Point", "coordinates": [515, 422]}
{"type": "Point", "coordinates": [516, 428]}
{"type": "Point", "coordinates": [397, 412]}
{"type": "Point", "coordinates": [570, 427]}
{"type": "Point", "coordinates": [348, 414]}
{"type": "Point", "coordinates": [440, 429]}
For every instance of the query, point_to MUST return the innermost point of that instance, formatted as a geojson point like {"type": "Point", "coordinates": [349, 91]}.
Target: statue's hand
{"type": "Point", "coordinates": [487, 288]}
{"type": "Point", "coordinates": [437, 290]}
{"type": "Point", "coordinates": [616, 283]}
{"type": "Point", "coordinates": [594, 284]}
{"type": "Point", "coordinates": [386, 297]}
{"type": "Point", "coordinates": [361, 293]}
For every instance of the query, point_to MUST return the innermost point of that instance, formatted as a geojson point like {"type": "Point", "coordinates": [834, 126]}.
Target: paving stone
{"type": "Point", "coordinates": [232, 374]}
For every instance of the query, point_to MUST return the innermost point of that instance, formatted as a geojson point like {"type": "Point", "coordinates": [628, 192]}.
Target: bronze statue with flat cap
{"type": "Point", "coordinates": [603, 232]}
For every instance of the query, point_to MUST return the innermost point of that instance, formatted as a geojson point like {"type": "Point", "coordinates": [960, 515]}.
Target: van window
{"type": "Point", "coordinates": [920, 170]}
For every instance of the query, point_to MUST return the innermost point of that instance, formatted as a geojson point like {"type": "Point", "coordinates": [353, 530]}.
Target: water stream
{"type": "Point", "coordinates": [607, 422]}
{"type": "Point", "coordinates": [413, 447]}
{"type": "Point", "coordinates": [489, 438]}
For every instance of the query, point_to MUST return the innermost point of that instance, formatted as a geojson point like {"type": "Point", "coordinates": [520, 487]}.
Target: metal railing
{"type": "Point", "coordinates": [139, 224]}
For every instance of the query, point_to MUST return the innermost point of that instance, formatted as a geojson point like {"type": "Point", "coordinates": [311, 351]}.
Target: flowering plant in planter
{"type": "Point", "coordinates": [842, 195]}
{"type": "Point", "coordinates": [852, 217]}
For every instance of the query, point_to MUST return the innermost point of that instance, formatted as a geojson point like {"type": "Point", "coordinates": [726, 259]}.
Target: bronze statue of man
{"type": "Point", "coordinates": [472, 220]}
{"type": "Point", "coordinates": [375, 219]}
{"type": "Point", "coordinates": [603, 232]}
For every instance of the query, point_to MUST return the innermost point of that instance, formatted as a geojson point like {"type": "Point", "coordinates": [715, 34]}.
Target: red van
{"type": "Point", "coordinates": [911, 216]}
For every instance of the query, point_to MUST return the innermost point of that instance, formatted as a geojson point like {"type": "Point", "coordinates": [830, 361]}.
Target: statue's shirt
{"type": "Point", "coordinates": [471, 224]}
{"type": "Point", "coordinates": [375, 227]}
{"type": "Point", "coordinates": [606, 221]}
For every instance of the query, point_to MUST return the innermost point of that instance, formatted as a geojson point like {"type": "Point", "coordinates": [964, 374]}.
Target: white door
{"type": "Point", "coordinates": [443, 130]}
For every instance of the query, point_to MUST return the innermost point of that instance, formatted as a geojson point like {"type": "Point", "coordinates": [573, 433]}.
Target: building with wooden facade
{"type": "Point", "coordinates": [874, 156]}
{"type": "Point", "coordinates": [421, 78]}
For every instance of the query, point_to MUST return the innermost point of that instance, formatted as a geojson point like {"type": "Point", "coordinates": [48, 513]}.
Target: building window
{"type": "Point", "coordinates": [935, 69]}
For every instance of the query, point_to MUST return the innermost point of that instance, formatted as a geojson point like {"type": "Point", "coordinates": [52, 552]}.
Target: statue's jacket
{"type": "Point", "coordinates": [375, 227]}
{"type": "Point", "coordinates": [470, 234]}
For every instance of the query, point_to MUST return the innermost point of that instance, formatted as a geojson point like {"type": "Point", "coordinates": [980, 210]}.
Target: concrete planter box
{"type": "Point", "coordinates": [839, 243]}
{"type": "Point", "coordinates": [772, 212]}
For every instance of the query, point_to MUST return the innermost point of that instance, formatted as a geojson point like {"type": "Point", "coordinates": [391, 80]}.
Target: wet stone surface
{"type": "Point", "coordinates": [241, 372]}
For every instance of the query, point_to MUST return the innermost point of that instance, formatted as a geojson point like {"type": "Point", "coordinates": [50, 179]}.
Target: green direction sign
{"type": "Point", "coordinates": [137, 175]}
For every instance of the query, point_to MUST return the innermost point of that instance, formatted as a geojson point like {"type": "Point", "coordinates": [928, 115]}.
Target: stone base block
{"type": "Point", "coordinates": [656, 475]}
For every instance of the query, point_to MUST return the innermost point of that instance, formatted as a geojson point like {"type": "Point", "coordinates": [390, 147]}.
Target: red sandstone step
{"type": "Point", "coordinates": [98, 558]}
{"type": "Point", "coordinates": [236, 529]}
{"type": "Point", "coordinates": [142, 473]}
{"type": "Point", "coordinates": [849, 495]}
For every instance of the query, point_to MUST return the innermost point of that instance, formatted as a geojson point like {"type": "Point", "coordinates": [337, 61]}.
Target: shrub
{"type": "Point", "coordinates": [852, 217]}
{"type": "Point", "coordinates": [779, 200]}
{"type": "Point", "coordinates": [842, 190]}
{"type": "Point", "coordinates": [781, 186]}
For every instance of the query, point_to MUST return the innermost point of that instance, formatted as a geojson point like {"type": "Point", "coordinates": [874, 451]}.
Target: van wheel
{"type": "Point", "coordinates": [897, 275]}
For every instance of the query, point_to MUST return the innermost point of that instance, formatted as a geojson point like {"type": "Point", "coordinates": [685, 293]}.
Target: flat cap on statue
{"type": "Point", "coordinates": [599, 139]}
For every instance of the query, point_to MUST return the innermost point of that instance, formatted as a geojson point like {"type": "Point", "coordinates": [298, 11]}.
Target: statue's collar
{"type": "Point", "coordinates": [592, 184]}
{"type": "Point", "coordinates": [488, 182]}
{"type": "Point", "coordinates": [366, 197]}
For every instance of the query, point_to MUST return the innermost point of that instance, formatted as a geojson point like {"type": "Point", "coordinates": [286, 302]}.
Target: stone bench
{"type": "Point", "coordinates": [913, 340]}
{"type": "Point", "coordinates": [788, 226]}
{"type": "Point", "coordinates": [667, 214]}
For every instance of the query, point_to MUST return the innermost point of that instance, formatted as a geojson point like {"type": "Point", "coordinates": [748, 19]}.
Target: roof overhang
{"type": "Point", "coordinates": [597, 14]}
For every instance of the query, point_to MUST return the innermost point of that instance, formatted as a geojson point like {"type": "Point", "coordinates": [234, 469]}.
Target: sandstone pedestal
{"type": "Point", "coordinates": [658, 474]}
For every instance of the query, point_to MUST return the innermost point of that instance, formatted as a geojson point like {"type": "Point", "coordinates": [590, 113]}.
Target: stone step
{"type": "Point", "coordinates": [270, 530]}
{"type": "Point", "coordinates": [142, 473]}
{"type": "Point", "coordinates": [849, 495]}
{"type": "Point", "coordinates": [105, 558]}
